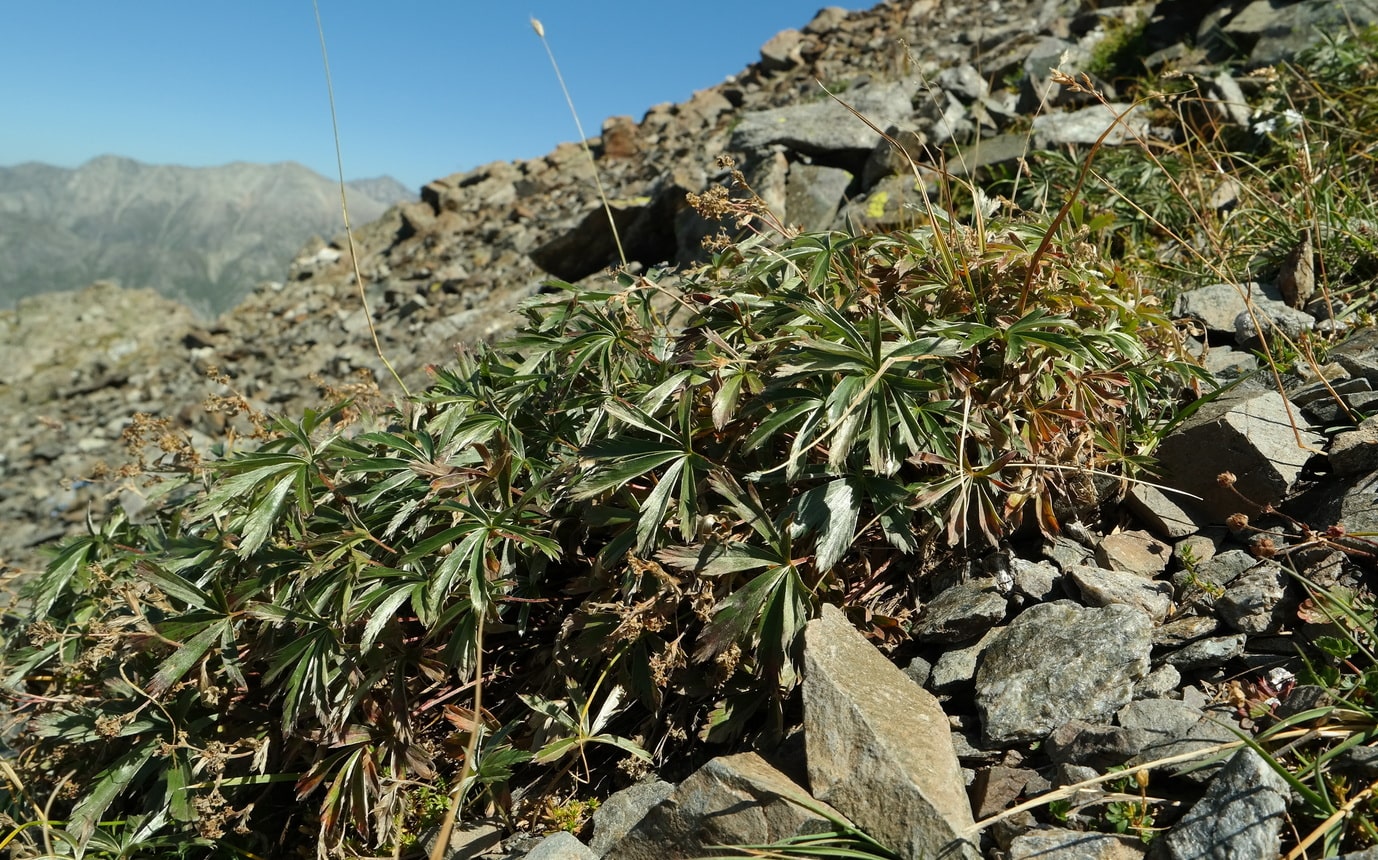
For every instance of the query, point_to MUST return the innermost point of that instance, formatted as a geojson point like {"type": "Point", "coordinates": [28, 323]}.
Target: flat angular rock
{"type": "Point", "coordinates": [1160, 512]}
{"type": "Point", "coordinates": [621, 811]}
{"type": "Point", "coordinates": [1184, 630]}
{"type": "Point", "coordinates": [1278, 32]}
{"type": "Point", "coordinates": [1248, 434]}
{"type": "Point", "coordinates": [1271, 317]}
{"type": "Point", "coordinates": [1035, 580]}
{"type": "Point", "coordinates": [1254, 602]}
{"type": "Point", "coordinates": [962, 612]}
{"type": "Point", "coordinates": [1216, 726]}
{"type": "Point", "coordinates": [1136, 552]}
{"type": "Point", "coordinates": [887, 159]}
{"type": "Point", "coordinates": [1215, 572]}
{"type": "Point", "coordinates": [561, 845]}
{"type": "Point", "coordinates": [1085, 126]}
{"type": "Point", "coordinates": [829, 18]}
{"type": "Point", "coordinates": [825, 126]}
{"type": "Point", "coordinates": [1037, 91]}
{"type": "Point", "coordinates": [468, 839]}
{"type": "Point", "coordinates": [732, 800]}
{"type": "Point", "coordinates": [1217, 305]}
{"type": "Point", "coordinates": [1057, 662]}
{"type": "Point", "coordinates": [812, 195]}
{"type": "Point", "coordinates": [997, 787]}
{"type": "Point", "coordinates": [1162, 682]}
{"type": "Point", "coordinates": [957, 666]}
{"type": "Point", "coordinates": [1057, 844]}
{"type": "Point", "coordinates": [1082, 743]}
{"type": "Point", "coordinates": [782, 51]}
{"type": "Point", "coordinates": [1101, 587]}
{"type": "Point", "coordinates": [894, 201]}
{"type": "Point", "coordinates": [1240, 815]}
{"type": "Point", "coordinates": [965, 82]}
{"type": "Point", "coordinates": [879, 747]}
{"type": "Point", "coordinates": [1356, 451]}
{"type": "Point", "coordinates": [1206, 653]}
{"type": "Point", "coordinates": [1153, 724]}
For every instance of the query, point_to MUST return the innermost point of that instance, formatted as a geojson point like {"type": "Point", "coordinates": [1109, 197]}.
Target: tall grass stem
{"type": "Point", "coordinates": [344, 206]}
{"type": "Point", "coordinates": [583, 139]}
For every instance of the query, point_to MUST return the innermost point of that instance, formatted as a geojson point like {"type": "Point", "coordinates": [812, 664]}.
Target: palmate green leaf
{"type": "Point", "coordinates": [634, 416]}
{"type": "Point", "coordinates": [247, 474]}
{"type": "Point", "coordinates": [286, 472]}
{"type": "Point", "coordinates": [189, 654]}
{"type": "Point", "coordinates": [406, 448]}
{"type": "Point", "coordinates": [177, 798]}
{"type": "Point", "coordinates": [848, 409]}
{"type": "Point", "coordinates": [719, 560]}
{"type": "Point", "coordinates": [627, 745]}
{"type": "Point", "coordinates": [830, 512]}
{"type": "Point", "coordinates": [748, 506]}
{"type": "Point", "coordinates": [773, 605]}
{"type": "Point", "coordinates": [105, 787]}
{"type": "Point", "coordinates": [783, 617]}
{"type": "Point", "coordinates": [62, 573]}
{"type": "Point", "coordinates": [177, 587]}
{"type": "Point", "coordinates": [725, 398]}
{"type": "Point", "coordinates": [622, 460]}
{"type": "Point", "coordinates": [656, 504]}
{"type": "Point", "coordinates": [559, 713]}
{"type": "Point", "coordinates": [310, 657]}
{"type": "Point", "coordinates": [652, 400]}
{"type": "Point", "coordinates": [1038, 327]}
{"type": "Point", "coordinates": [382, 607]}
{"type": "Point", "coordinates": [21, 663]}
{"type": "Point", "coordinates": [787, 405]}
{"type": "Point", "coordinates": [890, 500]}
{"type": "Point", "coordinates": [731, 716]}
{"type": "Point", "coordinates": [470, 555]}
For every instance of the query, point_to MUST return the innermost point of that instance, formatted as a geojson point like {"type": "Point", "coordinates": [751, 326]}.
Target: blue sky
{"type": "Point", "coordinates": [424, 88]}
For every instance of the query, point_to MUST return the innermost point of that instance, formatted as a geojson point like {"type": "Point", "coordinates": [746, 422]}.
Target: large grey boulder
{"type": "Point", "coordinates": [1250, 433]}
{"type": "Point", "coordinates": [1058, 662]}
{"type": "Point", "coordinates": [1216, 306]}
{"type": "Point", "coordinates": [879, 746]}
{"type": "Point", "coordinates": [1086, 126]}
{"type": "Point", "coordinates": [1240, 815]}
{"type": "Point", "coordinates": [732, 800]}
{"type": "Point", "coordinates": [825, 126]}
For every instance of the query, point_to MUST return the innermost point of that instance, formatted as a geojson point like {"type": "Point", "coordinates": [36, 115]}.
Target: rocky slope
{"type": "Point", "coordinates": [1169, 611]}
{"type": "Point", "coordinates": [201, 235]}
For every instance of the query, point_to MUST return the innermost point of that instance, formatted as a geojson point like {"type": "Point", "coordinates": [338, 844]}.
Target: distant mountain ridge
{"type": "Point", "coordinates": [202, 235]}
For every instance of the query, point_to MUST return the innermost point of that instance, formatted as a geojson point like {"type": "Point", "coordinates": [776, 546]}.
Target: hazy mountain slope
{"type": "Point", "coordinates": [204, 236]}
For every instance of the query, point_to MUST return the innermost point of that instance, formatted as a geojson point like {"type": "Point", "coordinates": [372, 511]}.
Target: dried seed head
{"type": "Point", "coordinates": [536, 25]}
{"type": "Point", "coordinates": [1264, 548]}
{"type": "Point", "coordinates": [1226, 479]}
{"type": "Point", "coordinates": [1237, 522]}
